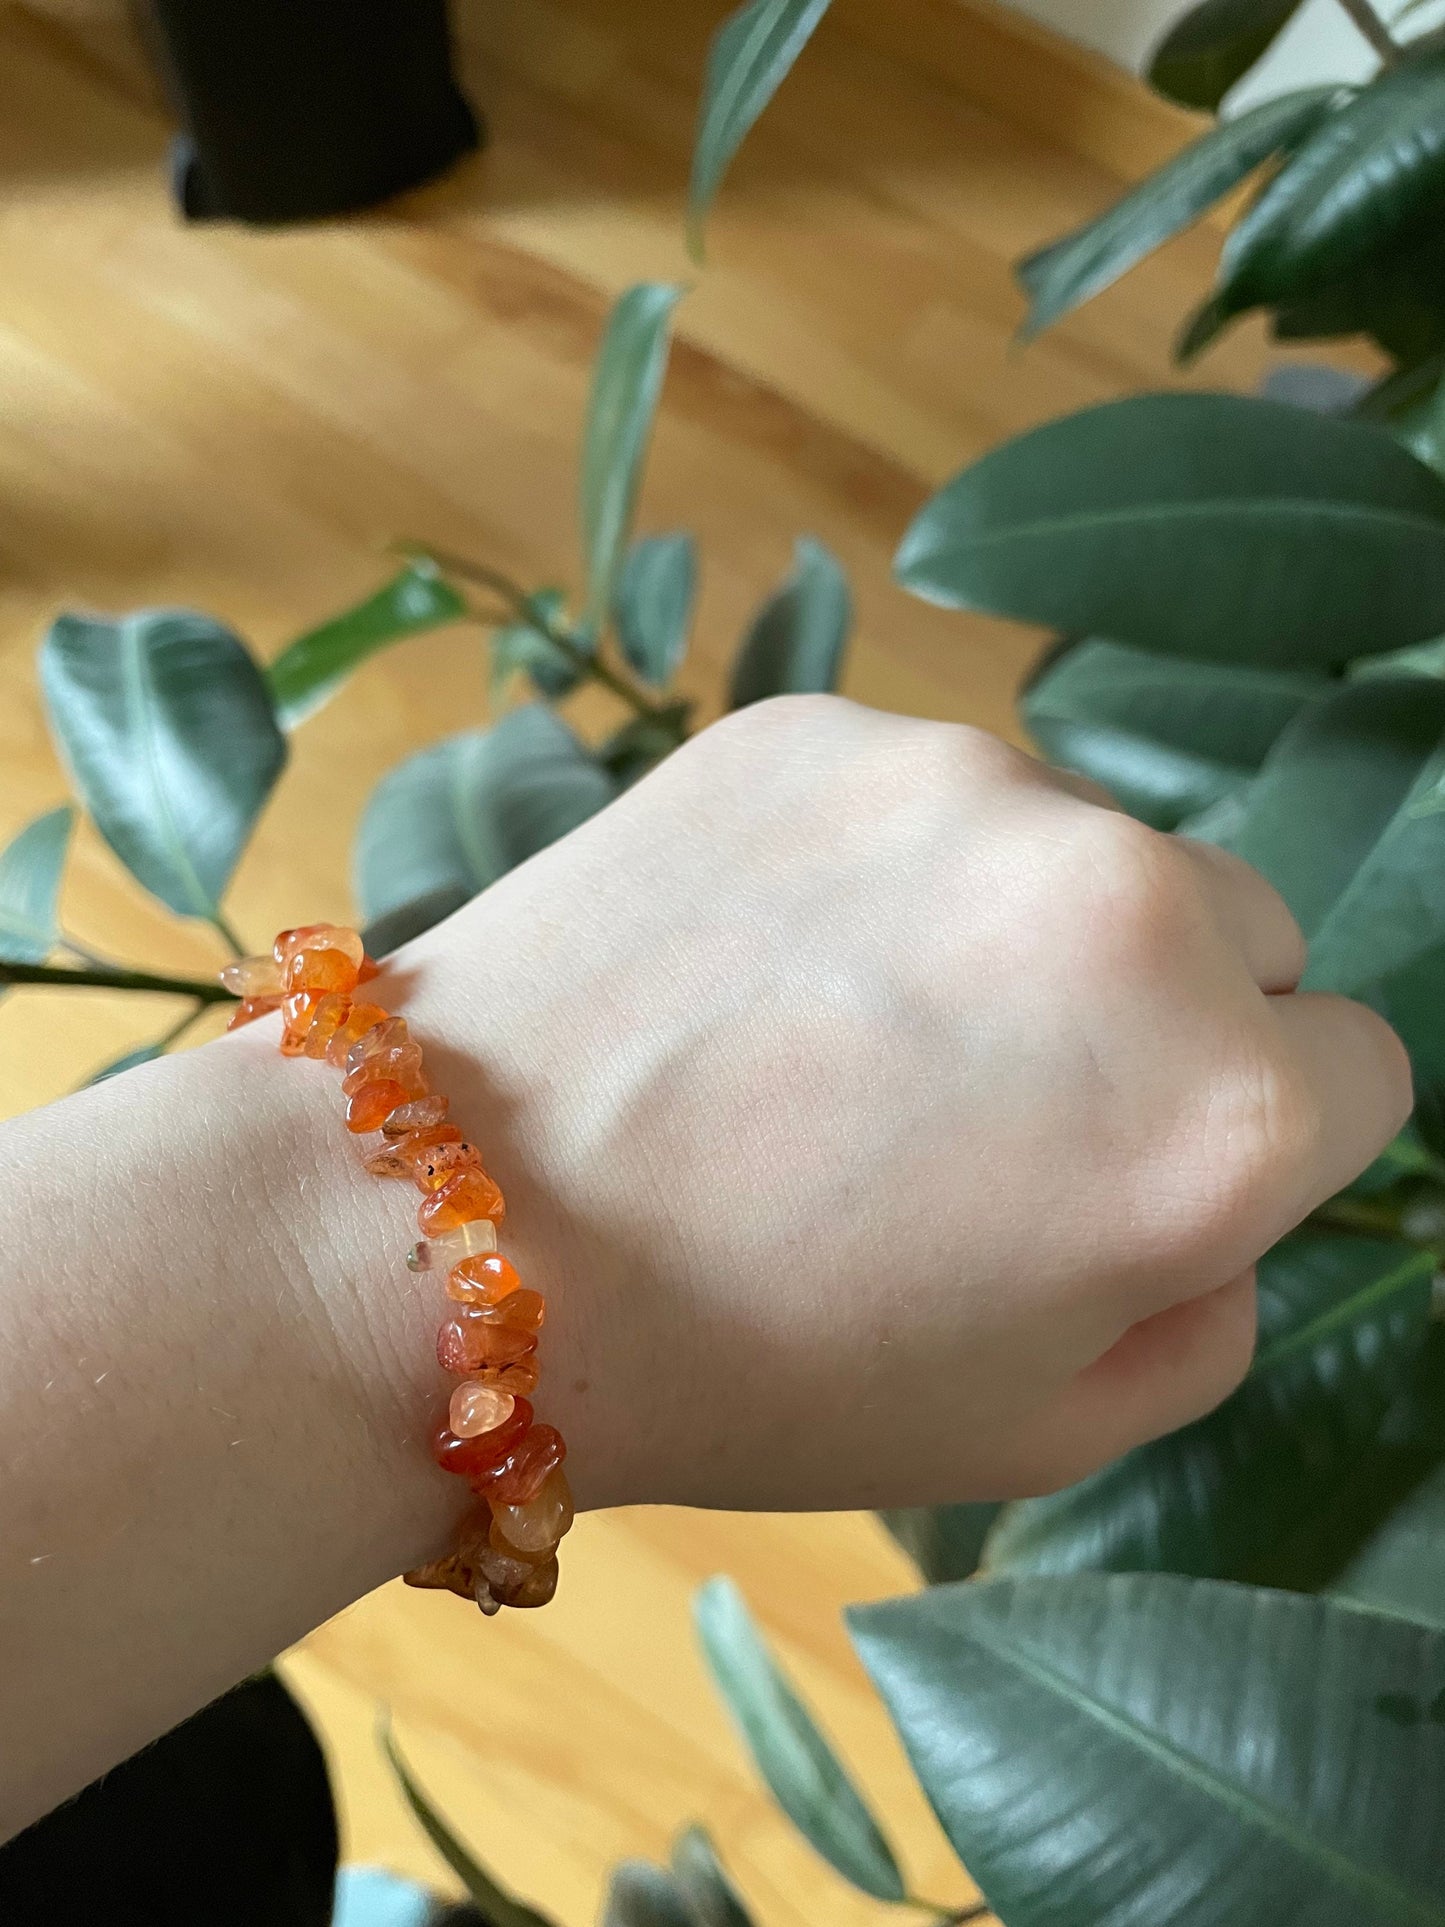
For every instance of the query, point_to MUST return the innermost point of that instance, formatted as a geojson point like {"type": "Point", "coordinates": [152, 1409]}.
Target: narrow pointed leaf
{"type": "Point", "coordinates": [699, 1872]}
{"type": "Point", "coordinates": [1214, 526]}
{"type": "Point", "coordinates": [1213, 45]}
{"type": "Point", "coordinates": [1343, 1322]}
{"type": "Point", "coordinates": [655, 596]}
{"type": "Point", "coordinates": [626, 383]}
{"type": "Point", "coordinates": [31, 866]}
{"type": "Point", "coordinates": [752, 54]}
{"type": "Point", "coordinates": [455, 817]}
{"type": "Point", "coordinates": [496, 1906]}
{"type": "Point", "coordinates": [945, 1542]}
{"type": "Point", "coordinates": [1167, 737]}
{"type": "Point", "coordinates": [1127, 1750]}
{"type": "Point", "coordinates": [797, 640]}
{"type": "Point", "coordinates": [806, 1777]}
{"type": "Point", "coordinates": [1334, 782]}
{"type": "Point", "coordinates": [528, 647]}
{"type": "Point", "coordinates": [1357, 183]}
{"type": "Point", "coordinates": [166, 726]}
{"type": "Point", "coordinates": [641, 1895]}
{"type": "Point", "coordinates": [1070, 271]}
{"type": "Point", "coordinates": [309, 671]}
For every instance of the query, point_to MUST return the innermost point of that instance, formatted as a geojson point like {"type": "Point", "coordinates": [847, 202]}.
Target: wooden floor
{"type": "Point", "coordinates": [241, 421]}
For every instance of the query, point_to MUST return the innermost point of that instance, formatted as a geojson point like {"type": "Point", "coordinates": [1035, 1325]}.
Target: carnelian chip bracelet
{"type": "Point", "coordinates": [506, 1552]}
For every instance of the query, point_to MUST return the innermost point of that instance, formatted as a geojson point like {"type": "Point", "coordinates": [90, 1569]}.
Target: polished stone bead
{"type": "Point", "coordinates": [534, 1529]}
{"type": "Point", "coordinates": [483, 1281]}
{"type": "Point", "coordinates": [479, 1457]}
{"type": "Point", "coordinates": [418, 1114]}
{"type": "Point", "coordinates": [298, 1007]}
{"type": "Point", "coordinates": [529, 1465]}
{"type": "Point", "coordinates": [469, 1341]}
{"type": "Point", "coordinates": [397, 1156]}
{"type": "Point", "coordinates": [432, 1172]}
{"type": "Point", "coordinates": [252, 977]}
{"type": "Point", "coordinates": [366, 1107]}
{"type": "Point", "coordinates": [477, 1408]}
{"type": "Point", "coordinates": [249, 1009]}
{"type": "Point", "coordinates": [330, 1014]}
{"type": "Point", "coordinates": [463, 1198]}
{"type": "Point", "coordinates": [321, 970]}
{"type": "Point", "coordinates": [361, 1019]}
{"type": "Point", "coordinates": [448, 1248]}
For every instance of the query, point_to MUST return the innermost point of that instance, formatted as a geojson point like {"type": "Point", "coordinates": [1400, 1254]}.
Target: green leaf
{"type": "Point", "coordinates": [1148, 1749]}
{"type": "Point", "coordinates": [751, 55]}
{"type": "Point", "coordinates": [641, 1895]}
{"type": "Point", "coordinates": [1070, 271]}
{"type": "Point", "coordinates": [31, 866]}
{"type": "Point", "coordinates": [654, 603]}
{"type": "Point", "coordinates": [309, 671]}
{"type": "Point", "coordinates": [1342, 1324]}
{"type": "Point", "coordinates": [226, 1819]}
{"type": "Point", "coordinates": [945, 1542]}
{"type": "Point", "coordinates": [166, 726]}
{"type": "Point", "coordinates": [806, 1777]}
{"type": "Point", "coordinates": [455, 817]}
{"type": "Point", "coordinates": [1356, 184]}
{"type": "Point", "coordinates": [1334, 782]}
{"type": "Point", "coordinates": [393, 928]}
{"type": "Point", "coordinates": [497, 1907]}
{"type": "Point", "coordinates": [1216, 526]}
{"type": "Point", "coordinates": [796, 643]}
{"type": "Point", "coordinates": [642, 743]}
{"type": "Point", "coordinates": [143, 1054]}
{"type": "Point", "coordinates": [1167, 738]}
{"type": "Point", "coordinates": [1213, 45]}
{"type": "Point", "coordinates": [626, 384]}
{"type": "Point", "coordinates": [1402, 1568]}
{"type": "Point", "coordinates": [528, 646]}
{"type": "Point", "coordinates": [709, 1892]}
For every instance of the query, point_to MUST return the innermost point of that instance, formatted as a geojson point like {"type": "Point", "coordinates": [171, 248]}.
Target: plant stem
{"type": "Point", "coordinates": [228, 935]}
{"type": "Point", "coordinates": [182, 1025]}
{"type": "Point", "coordinates": [1369, 24]}
{"type": "Point", "coordinates": [523, 606]}
{"type": "Point", "coordinates": [116, 979]}
{"type": "Point", "coordinates": [949, 1916]}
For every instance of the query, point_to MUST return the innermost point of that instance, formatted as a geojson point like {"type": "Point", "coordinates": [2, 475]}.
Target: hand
{"type": "Point", "coordinates": [891, 1120]}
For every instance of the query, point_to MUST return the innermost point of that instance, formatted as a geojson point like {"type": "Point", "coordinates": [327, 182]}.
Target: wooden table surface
{"type": "Point", "coordinates": [241, 421]}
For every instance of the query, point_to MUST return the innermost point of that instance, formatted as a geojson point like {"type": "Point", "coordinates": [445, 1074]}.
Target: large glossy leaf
{"type": "Point", "coordinates": [699, 1872]}
{"type": "Point", "coordinates": [1167, 737]}
{"type": "Point", "coordinates": [655, 596]}
{"type": "Point", "coordinates": [1129, 1751]}
{"type": "Point", "coordinates": [1401, 1569]}
{"type": "Point", "coordinates": [1334, 782]}
{"type": "Point", "coordinates": [166, 726]}
{"type": "Point", "coordinates": [1213, 45]}
{"type": "Point", "coordinates": [1342, 1324]}
{"type": "Point", "coordinates": [752, 54]}
{"type": "Point", "coordinates": [1080, 265]}
{"type": "Point", "coordinates": [226, 1819]}
{"type": "Point", "coordinates": [626, 383]}
{"type": "Point", "coordinates": [453, 818]}
{"type": "Point", "coordinates": [496, 1906]}
{"type": "Point", "coordinates": [1362, 178]}
{"type": "Point", "coordinates": [806, 1777]}
{"type": "Point", "coordinates": [796, 643]}
{"type": "Point", "coordinates": [1216, 526]}
{"type": "Point", "coordinates": [945, 1542]}
{"type": "Point", "coordinates": [309, 671]}
{"type": "Point", "coordinates": [31, 866]}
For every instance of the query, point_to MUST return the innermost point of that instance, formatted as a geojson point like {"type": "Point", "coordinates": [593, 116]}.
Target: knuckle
{"type": "Point", "coordinates": [1134, 894]}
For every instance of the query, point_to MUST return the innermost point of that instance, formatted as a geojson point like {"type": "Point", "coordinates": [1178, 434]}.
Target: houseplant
{"type": "Point", "coordinates": [1208, 1684]}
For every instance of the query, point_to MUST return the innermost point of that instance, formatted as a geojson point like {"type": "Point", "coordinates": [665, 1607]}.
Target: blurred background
{"type": "Point", "coordinates": [240, 419]}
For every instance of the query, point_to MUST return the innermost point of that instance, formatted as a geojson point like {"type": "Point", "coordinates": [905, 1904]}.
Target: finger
{"type": "Point", "coordinates": [1357, 1084]}
{"type": "Point", "coordinates": [1252, 914]}
{"type": "Point", "coordinates": [1165, 1372]}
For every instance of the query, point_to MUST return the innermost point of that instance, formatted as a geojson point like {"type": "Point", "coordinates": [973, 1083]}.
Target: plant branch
{"type": "Point", "coordinates": [1373, 29]}
{"type": "Point", "coordinates": [117, 979]}
{"type": "Point", "coordinates": [525, 609]}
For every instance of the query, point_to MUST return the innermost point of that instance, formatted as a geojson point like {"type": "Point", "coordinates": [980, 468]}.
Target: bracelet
{"type": "Point", "coordinates": [506, 1552]}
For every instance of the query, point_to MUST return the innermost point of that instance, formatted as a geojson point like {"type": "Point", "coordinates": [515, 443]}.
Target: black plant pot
{"type": "Point", "coordinates": [293, 110]}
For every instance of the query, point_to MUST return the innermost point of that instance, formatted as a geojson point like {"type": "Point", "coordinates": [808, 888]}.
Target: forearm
{"type": "Point", "coordinates": [216, 1388]}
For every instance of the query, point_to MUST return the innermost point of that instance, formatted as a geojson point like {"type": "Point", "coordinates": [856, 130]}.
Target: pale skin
{"type": "Point", "coordinates": [887, 1120]}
